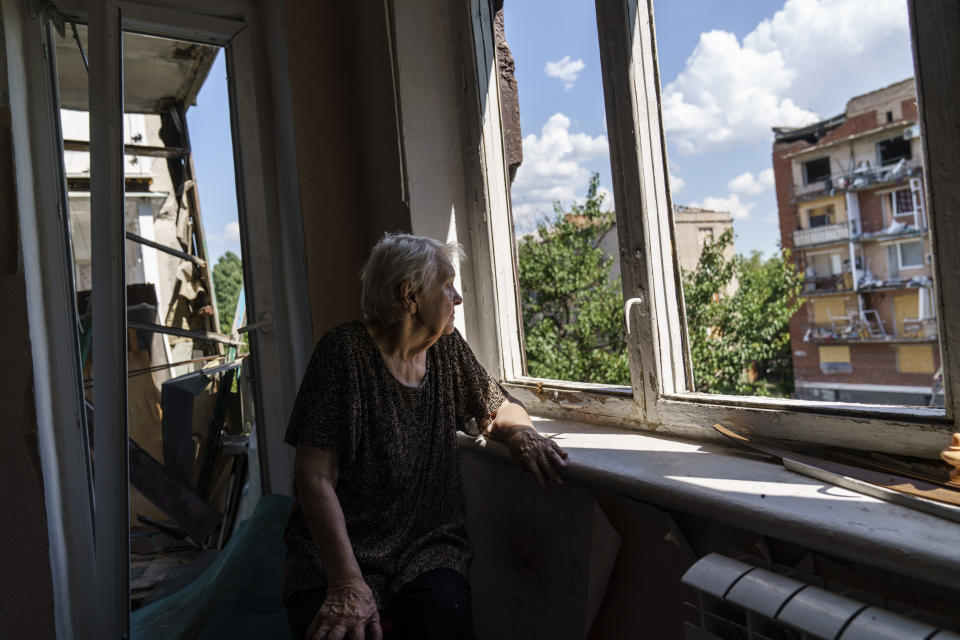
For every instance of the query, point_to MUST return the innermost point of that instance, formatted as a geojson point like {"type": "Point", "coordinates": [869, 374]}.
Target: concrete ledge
{"type": "Point", "coordinates": [746, 491]}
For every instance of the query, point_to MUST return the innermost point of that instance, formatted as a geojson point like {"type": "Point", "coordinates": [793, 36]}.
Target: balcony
{"type": "Point", "coordinates": [839, 283]}
{"type": "Point", "coordinates": [868, 326]}
{"type": "Point", "coordinates": [864, 177]}
{"type": "Point", "coordinates": [821, 235]}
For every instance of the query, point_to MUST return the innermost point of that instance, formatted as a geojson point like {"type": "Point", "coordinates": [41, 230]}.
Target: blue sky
{"type": "Point", "coordinates": [209, 124]}
{"type": "Point", "coordinates": [729, 71]}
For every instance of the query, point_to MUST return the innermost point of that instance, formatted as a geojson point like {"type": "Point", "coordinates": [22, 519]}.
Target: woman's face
{"type": "Point", "coordinates": [437, 303]}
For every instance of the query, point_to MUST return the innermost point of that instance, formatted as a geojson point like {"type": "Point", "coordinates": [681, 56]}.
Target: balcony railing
{"type": "Point", "coordinates": [868, 326]}
{"type": "Point", "coordinates": [819, 235]}
{"type": "Point", "coordinates": [860, 178]}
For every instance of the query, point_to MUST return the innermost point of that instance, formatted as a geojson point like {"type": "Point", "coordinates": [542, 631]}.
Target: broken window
{"type": "Point", "coordinates": [893, 150]}
{"type": "Point", "coordinates": [188, 390]}
{"type": "Point", "coordinates": [816, 170]}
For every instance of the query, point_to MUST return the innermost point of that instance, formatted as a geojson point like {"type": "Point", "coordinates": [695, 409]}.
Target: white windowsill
{"type": "Point", "coordinates": [742, 490]}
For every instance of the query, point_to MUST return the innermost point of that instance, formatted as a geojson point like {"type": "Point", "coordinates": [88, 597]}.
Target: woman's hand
{"type": "Point", "coordinates": [346, 614]}
{"type": "Point", "coordinates": [540, 456]}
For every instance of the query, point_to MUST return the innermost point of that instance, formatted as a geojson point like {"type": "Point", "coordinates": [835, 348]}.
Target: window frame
{"type": "Point", "coordinates": [908, 156]}
{"type": "Point", "coordinates": [657, 399]}
{"type": "Point", "coordinates": [253, 43]}
{"type": "Point", "coordinates": [900, 262]}
{"type": "Point", "coordinates": [806, 173]}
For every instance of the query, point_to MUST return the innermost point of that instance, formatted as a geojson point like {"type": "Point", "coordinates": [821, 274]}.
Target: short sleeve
{"type": "Point", "coordinates": [478, 394]}
{"type": "Point", "coordinates": [326, 413]}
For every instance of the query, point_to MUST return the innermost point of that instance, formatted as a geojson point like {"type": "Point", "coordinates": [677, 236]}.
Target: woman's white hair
{"type": "Point", "coordinates": [400, 257]}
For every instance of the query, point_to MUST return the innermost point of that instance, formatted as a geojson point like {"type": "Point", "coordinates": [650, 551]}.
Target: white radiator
{"type": "Point", "coordinates": [736, 600]}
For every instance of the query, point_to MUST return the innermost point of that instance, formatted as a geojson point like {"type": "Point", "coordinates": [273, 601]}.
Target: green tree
{"type": "Point", "coordinates": [738, 313]}
{"type": "Point", "coordinates": [227, 282]}
{"type": "Point", "coordinates": [572, 310]}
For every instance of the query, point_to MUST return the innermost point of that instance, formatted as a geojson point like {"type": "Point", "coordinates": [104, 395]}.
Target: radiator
{"type": "Point", "coordinates": [736, 600]}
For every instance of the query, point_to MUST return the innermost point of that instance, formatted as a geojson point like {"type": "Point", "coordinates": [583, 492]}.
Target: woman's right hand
{"type": "Point", "coordinates": [346, 614]}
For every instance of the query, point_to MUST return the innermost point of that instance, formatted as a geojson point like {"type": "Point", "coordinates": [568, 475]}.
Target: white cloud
{"type": "Point", "coordinates": [732, 204]}
{"type": "Point", "coordinates": [566, 70]}
{"type": "Point", "coordinates": [607, 204]}
{"type": "Point", "coordinates": [231, 232]}
{"type": "Point", "coordinates": [792, 69]}
{"type": "Point", "coordinates": [553, 169]}
{"type": "Point", "coordinates": [748, 185]}
{"type": "Point", "coordinates": [673, 178]}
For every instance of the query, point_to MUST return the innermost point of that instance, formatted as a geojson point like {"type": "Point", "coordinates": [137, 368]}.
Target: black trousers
{"type": "Point", "coordinates": [435, 605]}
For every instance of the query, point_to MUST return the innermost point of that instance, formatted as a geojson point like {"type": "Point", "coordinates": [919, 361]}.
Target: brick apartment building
{"type": "Point", "coordinates": [851, 208]}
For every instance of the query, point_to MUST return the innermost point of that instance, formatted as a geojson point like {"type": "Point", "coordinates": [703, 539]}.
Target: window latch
{"type": "Point", "coordinates": [626, 310]}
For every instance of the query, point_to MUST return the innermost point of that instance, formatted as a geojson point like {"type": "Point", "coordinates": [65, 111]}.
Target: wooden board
{"type": "Point", "coordinates": [909, 492]}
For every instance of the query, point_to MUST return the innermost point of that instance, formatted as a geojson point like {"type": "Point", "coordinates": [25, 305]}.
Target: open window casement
{"type": "Point", "coordinates": [91, 582]}
{"type": "Point", "coordinates": [660, 398]}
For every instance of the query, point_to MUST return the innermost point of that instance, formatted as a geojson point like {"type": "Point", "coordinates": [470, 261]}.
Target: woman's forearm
{"type": "Point", "coordinates": [511, 415]}
{"type": "Point", "coordinates": [328, 529]}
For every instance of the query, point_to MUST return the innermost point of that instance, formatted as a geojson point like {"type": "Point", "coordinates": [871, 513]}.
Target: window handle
{"type": "Point", "coordinates": [626, 310]}
{"type": "Point", "coordinates": [263, 325]}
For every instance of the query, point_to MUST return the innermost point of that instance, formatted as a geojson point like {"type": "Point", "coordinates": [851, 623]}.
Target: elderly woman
{"type": "Point", "coordinates": [378, 519]}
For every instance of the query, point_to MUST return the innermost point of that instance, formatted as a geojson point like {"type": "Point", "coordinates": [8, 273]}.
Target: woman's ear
{"type": "Point", "coordinates": [408, 296]}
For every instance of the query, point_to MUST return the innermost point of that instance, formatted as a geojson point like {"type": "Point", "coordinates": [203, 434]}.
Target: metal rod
{"type": "Point", "coordinates": [83, 55]}
{"type": "Point", "coordinates": [88, 382]}
{"type": "Point", "coordinates": [162, 247]}
{"type": "Point", "coordinates": [183, 333]}
{"type": "Point", "coordinates": [111, 515]}
{"type": "Point", "coordinates": [131, 149]}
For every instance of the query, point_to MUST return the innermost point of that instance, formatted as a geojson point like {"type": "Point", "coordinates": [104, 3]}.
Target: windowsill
{"type": "Point", "coordinates": [746, 491]}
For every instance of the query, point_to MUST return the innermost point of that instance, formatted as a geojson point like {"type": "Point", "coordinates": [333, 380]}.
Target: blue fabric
{"type": "Point", "coordinates": [239, 596]}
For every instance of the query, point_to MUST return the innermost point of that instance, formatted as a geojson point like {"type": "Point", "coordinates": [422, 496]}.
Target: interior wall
{"type": "Point", "coordinates": [347, 146]}
{"type": "Point", "coordinates": [26, 589]}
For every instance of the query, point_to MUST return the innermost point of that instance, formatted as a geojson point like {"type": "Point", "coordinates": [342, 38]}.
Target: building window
{"type": "Point", "coordinates": [704, 236]}
{"type": "Point", "coordinates": [911, 254]}
{"type": "Point", "coordinates": [662, 389]}
{"type": "Point", "coordinates": [915, 358]}
{"type": "Point", "coordinates": [835, 359]}
{"type": "Point", "coordinates": [902, 202]}
{"type": "Point", "coordinates": [893, 150]}
{"type": "Point", "coordinates": [903, 206]}
{"type": "Point", "coordinates": [816, 170]}
{"type": "Point", "coordinates": [821, 216]}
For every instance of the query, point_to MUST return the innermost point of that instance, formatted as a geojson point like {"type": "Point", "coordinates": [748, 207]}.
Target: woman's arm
{"type": "Point", "coordinates": [349, 605]}
{"type": "Point", "coordinates": [540, 456]}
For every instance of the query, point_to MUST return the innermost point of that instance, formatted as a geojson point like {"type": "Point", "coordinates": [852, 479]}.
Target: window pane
{"type": "Point", "coordinates": [568, 268]}
{"type": "Point", "coordinates": [811, 146]}
{"type": "Point", "coordinates": [184, 282]}
{"type": "Point", "coordinates": [911, 254]}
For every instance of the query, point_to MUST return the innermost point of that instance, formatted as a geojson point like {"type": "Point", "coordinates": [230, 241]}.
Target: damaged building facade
{"type": "Point", "coordinates": [853, 211]}
{"type": "Point", "coordinates": [353, 119]}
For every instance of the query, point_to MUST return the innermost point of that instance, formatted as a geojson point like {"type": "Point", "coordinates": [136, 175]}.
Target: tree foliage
{"type": "Point", "coordinates": [572, 310]}
{"type": "Point", "coordinates": [738, 313]}
{"type": "Point", "coordinates": [227, 282]}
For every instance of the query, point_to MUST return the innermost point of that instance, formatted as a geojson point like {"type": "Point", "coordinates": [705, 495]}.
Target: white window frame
{"type": "Point", "coordinates": [91, 590]}
{"type": "Point", "coordinates": [658, 400]}
{"type": "Point", "coordinates": [900, 261]}
{"type": "Point", "coordinates": [894, 208]}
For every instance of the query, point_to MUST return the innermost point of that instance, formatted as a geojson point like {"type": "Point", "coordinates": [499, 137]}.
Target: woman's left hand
{"type": "Point", "coordinates": [539, 455]}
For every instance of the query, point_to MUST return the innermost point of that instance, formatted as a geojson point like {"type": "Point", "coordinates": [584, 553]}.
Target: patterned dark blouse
{"type": "Point", "coordinates": [399, 483]}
